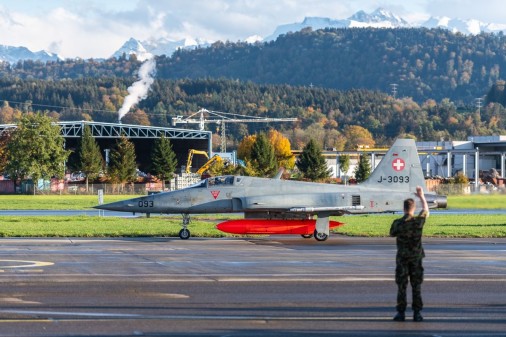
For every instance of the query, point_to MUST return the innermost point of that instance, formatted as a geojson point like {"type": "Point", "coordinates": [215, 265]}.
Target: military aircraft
{"type": "Point", "coordinates": [275, 206]}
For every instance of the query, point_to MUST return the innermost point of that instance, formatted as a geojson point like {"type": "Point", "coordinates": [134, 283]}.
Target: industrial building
{"type": "Point", "coordinates": [143, 137]}
{"type": "Point", "coordinates": [440, 159]}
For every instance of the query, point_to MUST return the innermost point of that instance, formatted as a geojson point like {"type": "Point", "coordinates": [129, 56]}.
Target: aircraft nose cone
{"type": "Point", "coordinates": [121, 206]}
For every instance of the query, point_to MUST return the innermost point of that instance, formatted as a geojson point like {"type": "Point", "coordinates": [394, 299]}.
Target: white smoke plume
{"type": "Point", "coordinates": [139, 90]}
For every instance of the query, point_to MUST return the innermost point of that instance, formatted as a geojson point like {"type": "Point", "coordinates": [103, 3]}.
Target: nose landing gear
{"type": "Point", "coordinates": [184, 233]}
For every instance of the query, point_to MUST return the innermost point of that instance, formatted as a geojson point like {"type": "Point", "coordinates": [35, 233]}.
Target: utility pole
{"type": "Point", "coordinates": [394, 89]}
{"type": "Point", "coordinates": [479, 100]}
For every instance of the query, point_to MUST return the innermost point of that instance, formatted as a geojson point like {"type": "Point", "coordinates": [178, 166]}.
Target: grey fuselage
{"type": "Point", "coordinates": [268, 198]}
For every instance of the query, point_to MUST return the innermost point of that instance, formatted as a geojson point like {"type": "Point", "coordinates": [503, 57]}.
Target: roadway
{"type": "Point", "coordinates": [269, 286]}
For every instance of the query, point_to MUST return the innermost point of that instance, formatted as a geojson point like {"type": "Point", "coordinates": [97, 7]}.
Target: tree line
{"type": "Point", "coordinates": [34, 150]}
{"type": "Point", "coordinates": [326, 115]}
{"type": "Point", "coordinates": [425, 63]}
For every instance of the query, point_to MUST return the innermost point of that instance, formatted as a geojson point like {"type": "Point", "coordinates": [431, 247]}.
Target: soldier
{"type": "Point", "coordinates": [408, 231]}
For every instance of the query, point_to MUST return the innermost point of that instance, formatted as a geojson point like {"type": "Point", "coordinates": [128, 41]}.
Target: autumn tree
{"type": "Point", "coordinates": [282, 149]}
{"type": "Point", "coordinates": [356, 136]}
{"type": "Point", "coordinates": [311, 162]}
{"type": "Point", "coordinates": [36, 149]}
{"type": "Point", "coordinates": [4, 155]}
{"type": "Point", "coordinates": [123, 166]}
{"type": "Point", "coordinates": [363, 169]}
{"type": "Point", "coordinates": [164, 160]}
{"type": "Point", "coordinates": [90, 157]}
{"type": "Point", "coordinates": [263, 158]}
{"type": "Point", "coordinates": [137, 117]}
{"type": "Point", "coordinates": [245, 146]}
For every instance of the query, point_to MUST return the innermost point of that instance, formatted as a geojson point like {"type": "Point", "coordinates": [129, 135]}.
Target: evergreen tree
{"type": "Point", "coordinates": [123, 167]}
{"type": "Point", "coordinates": [363, 170]}
{"type": "Point", "coordinates": [263, 158]}
{"type": "Point", "coordinates": [90, 157]}
{"type": "Point", "coordinates": [164, 160]}
{"type": "Point", "coordinates": [311, 162]}
{"type": "Point", "coordinates": [36, 149]}
{"type": "Point", "coordinates": [344, 164]}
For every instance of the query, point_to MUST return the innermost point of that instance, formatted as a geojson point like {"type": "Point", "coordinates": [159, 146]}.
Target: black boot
{"type": "Point", "coordinates": [417, 317]}
{"type": "Point", "coordinates": [400, 317]}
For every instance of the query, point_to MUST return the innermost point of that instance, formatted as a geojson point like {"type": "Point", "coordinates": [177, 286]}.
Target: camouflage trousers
{"type": "Point", "coordinates": [412, 269]}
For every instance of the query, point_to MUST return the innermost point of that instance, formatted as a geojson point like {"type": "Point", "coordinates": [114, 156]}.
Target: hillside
{"type": "Point", "coordinates": [323, 113]}
{"type": "Point", "coordinates": [426, 64]}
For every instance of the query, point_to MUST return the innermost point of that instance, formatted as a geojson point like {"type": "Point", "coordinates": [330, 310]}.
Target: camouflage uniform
{"type": "Point", "coordinates": [408, 231]}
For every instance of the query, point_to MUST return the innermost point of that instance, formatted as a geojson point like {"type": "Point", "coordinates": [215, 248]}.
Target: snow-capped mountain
{"type": "Point", "coordinates": [380, 18]}
{"type": "Point", "coordinates": [464, 26]}
{"type": "Point", "coordinates": [163, 46]}
{"type": "Point", "coordinates": [133, 46]}
{"type": "Point", "coordinates": [14, 54]}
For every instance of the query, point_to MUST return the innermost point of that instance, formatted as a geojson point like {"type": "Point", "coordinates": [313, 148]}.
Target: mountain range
{"type": "Point", "coordinates": [380, 18]}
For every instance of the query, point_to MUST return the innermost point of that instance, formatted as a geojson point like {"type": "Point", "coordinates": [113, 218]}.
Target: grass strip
{"type": "Point", "coordinates": [445, 226]}
{"type": "Point", "coordinates": [87, 226]}
{"type": "Point", "coordinates": [81, 202]}
{"type": "Point", "coordinates": [448, 226]}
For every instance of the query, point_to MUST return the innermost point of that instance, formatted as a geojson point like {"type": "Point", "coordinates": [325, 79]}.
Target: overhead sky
{"type": "Point", "coordinates": [97, 28]}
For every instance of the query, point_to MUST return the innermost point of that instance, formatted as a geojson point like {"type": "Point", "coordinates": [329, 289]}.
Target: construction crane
{"type": "Point", "coordinates": [221, 118]}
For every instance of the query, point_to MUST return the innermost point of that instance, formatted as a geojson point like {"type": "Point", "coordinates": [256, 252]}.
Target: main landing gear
{"type": "Point", "coordinates": [184, 233]}
{"type": "Point", "coordinates": [320, 236]}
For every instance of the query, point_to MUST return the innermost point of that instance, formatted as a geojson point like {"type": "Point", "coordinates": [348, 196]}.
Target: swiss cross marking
{"type": "Point", "coordinates": [215, 194]}
{"type": "Point", "coordinates": [398, 164]}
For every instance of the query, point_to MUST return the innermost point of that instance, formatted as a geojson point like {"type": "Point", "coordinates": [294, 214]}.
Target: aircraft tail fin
{"type": "Point", "coordinates": [400, 168]}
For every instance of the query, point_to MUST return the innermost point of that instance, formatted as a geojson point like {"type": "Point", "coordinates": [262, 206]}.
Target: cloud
{"type": "Point", "coordinates": [94, 28]}
{"type": "Point", "coordinates": [491, 11]}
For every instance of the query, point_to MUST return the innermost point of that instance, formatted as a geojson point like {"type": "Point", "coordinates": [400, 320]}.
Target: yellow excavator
{"type": "Point", "coordinates": [210, 162]}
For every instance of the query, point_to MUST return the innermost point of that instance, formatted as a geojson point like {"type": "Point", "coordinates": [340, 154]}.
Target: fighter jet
{"type": "Point", "coordinates": [275, 206]}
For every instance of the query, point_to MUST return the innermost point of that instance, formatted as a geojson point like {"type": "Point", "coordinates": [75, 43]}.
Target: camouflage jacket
{"type": "Point", "coordinates": [408, 231]}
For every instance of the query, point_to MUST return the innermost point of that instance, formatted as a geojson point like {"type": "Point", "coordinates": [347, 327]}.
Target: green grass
{"type": "Point", "coordinates": [80, 202]}
{"type": "Point", "coordinates": [86, 226]}
{"type": "Point", "coordinates": [448, 226]}
{"type": "Point", "coordinates": [451, 225]}
{"type": "Point", "coordinates": [478, 201]}
{"type": "Point", "coordinates": [55, 202]}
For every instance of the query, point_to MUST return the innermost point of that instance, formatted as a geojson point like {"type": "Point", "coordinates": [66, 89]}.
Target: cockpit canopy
{"type": "Point", "coordinates": [218, 181]}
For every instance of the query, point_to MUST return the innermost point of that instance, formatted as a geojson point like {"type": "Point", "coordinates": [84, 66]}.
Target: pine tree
{"type": "Point", "coordinates": [263, 158]}
{"type": "Point", "coordinates": [123, 167]}
{"type": "Point", "coordinates": [363, 170]}
{"type": "Point", "coordinates": [311, 162]}
{"type": "Point", "coordinates": [90, 157]}
{"type": "Point", "coordinates": [164, 160]}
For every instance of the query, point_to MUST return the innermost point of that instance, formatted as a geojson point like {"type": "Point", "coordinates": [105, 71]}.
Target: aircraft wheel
{"type": "Point", "coordinates": [320, 236]}
{"type": "Point", "coordinates": [184, 234]}
{"type": "Point", "coordinates": [307, 236]}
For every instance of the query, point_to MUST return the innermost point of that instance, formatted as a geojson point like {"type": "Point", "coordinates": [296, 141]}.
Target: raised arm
{"type": "Point", "coordinates": [421, 196]}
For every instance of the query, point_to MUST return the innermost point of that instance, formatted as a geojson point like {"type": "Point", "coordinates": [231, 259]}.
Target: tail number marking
{"type": "Point", "coordinates": [394, 179]}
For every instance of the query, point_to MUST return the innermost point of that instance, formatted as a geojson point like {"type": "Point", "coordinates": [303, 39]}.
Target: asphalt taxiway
{"type": "Point", "coordinates": [269, 286]}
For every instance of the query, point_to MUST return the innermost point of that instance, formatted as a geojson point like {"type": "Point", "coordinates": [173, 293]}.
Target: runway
{"type": "Point", "coordinates": [270, 286]}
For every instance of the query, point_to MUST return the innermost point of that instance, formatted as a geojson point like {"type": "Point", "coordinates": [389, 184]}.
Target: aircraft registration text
{"type": "Point", "coordinates": [394, 179]}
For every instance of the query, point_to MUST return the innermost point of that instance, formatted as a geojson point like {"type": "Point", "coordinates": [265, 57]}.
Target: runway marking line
{"type": "Point", "coordinates": [118, 316]}
{"type": "Point", "coordinates": [25, 264]}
